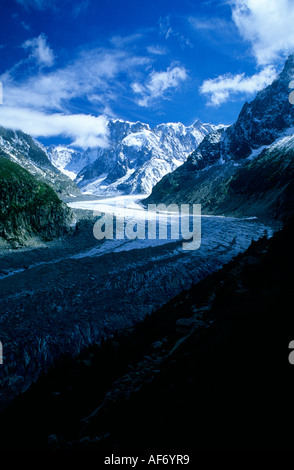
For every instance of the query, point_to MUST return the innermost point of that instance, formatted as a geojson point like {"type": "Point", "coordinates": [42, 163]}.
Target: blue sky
{"type": "Point", "coordinates": [66, 67]}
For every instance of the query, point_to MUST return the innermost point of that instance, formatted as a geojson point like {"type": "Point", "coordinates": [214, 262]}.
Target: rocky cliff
{"type": "Point", "coordinates": [258, 148]}
{"type": "Point", "coordinates": [22, 149]}
{"type": "Point", "coordinates": [29, 209]}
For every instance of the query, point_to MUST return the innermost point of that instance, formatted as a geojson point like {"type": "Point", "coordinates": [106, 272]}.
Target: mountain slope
{"type": "Point", "coordinates": [22, 149]}
{"type": "Point", "coordinates": [136, 159]}
{"type": "Point", "coordinates": [29, 209]}
{"type": "Point", "coordinates": [252, 149]}
{"type": "Point", "coordinates": [212, 364]}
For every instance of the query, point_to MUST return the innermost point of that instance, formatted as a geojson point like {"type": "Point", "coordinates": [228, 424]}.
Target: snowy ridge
{"type": "Point", "coordinates": [136, 159]}
{"type": "Point", "coordinates": [27, 152]}
{"type": "Point", "coordinates": [284, 142]}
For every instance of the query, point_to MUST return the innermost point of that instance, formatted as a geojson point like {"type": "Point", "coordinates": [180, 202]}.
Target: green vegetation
{"type": "Point", "coordinates": [28, 207]}
{"type": "Point", "coordinates": [21, 148]}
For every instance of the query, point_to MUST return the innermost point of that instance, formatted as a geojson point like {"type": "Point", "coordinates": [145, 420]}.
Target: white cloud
{"type": "Point", "coordinates": [85, 130]}
{"type": "Point", "coordinates": [93, 73]}
{"type": "Point", "coordinates": [167, 31]}
{"type": "Point", "coordinates": [165, 27]}
{"type": "Point", "coordinates": [157, 50]}
{"type": "Point", "coordinates": [267, 25]}
{"type": "Point", "coordinates": [41, 104]}
{"type": "Point", "coordinates": [221, 88]}
{"type": "Point", "coordinates": [40, 51]}
{"type": "Point", "coordinates": [123, 41]}
{"type": "Point", "coordinates": [209, 24]}
{"type": "Point", "coordinates": [159, 83]}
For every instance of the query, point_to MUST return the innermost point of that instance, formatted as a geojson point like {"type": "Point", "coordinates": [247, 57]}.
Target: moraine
{"type": "Point", "coordinates": [60, 299]}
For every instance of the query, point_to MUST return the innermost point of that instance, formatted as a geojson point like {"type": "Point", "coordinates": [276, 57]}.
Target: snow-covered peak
{"type": "Point", "coordinates": [138, 156]}
{"type": "Point", "coordinates": [143, 138]}
{"type": "Point", "coordinates": [60, 156]}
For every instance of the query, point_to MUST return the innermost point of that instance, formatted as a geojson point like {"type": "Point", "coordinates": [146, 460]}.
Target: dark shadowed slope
{"type": "Point", "coordinates": [209, 370]}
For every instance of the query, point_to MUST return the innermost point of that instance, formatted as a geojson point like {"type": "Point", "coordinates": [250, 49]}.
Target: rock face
{"type": "Point", "coordinates": [22, 149]}
{"type": "Point", "coordinates": [62, 157]}
{"type": "Point", "coordinates": [136, 159]}
{"type": "Point", "coordinates": [29, 209]}
{"type": "Point", "coordinates": [258, 145]}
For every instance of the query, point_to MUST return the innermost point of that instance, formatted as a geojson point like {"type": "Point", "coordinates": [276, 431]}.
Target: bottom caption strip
{"type": "Point", "coordinates": [157, 459]}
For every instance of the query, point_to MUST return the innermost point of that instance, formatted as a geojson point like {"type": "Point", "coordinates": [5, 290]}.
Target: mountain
{"type": "Point", "coordinates": [136, 159]}
{"type": "Point", "coordinates": [67, 160]}
{"type": "Point", "coordinates": [30, 210]}
{"type": "Point", "coordinates": [247, 168]}
{"type": "Point", "coordinates": [20, 148]}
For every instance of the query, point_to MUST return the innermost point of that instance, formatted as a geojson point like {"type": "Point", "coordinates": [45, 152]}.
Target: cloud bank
{"type": "Point", "coordinates": [224, 87]}
{"type": "Point", "coordinates": [85, 130]}
{"type": "Point", "coordinates": [40, 98]}
{"type": "Point", "coordinates": [267, 26]}
{"type": "Point", "coordinates": [40, 104]}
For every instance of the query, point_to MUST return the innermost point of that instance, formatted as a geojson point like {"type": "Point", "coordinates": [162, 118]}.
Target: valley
{"type": "Point", "coordinates": [72, 304]}
{"type": "Point", "coordinates": [59, 299]}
